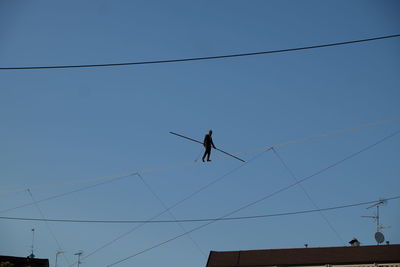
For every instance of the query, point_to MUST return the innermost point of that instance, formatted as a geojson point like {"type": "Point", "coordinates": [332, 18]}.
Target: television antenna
{"type": "Point", "coordinates": [58, 252]}
{"type": "Point", "coordinates": [79, 256]}
{"type": "Point", "coordinates": [379, 237]}
{"type": "Point", "coordinates": [33, 242]}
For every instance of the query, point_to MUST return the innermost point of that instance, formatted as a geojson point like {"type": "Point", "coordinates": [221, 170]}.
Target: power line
{"type": "Point", "coordinates": [262, 216]}
{"type": "Point", "coordinates": [202, 58]}
{"type": "Point", "coordinates": [259, 200]}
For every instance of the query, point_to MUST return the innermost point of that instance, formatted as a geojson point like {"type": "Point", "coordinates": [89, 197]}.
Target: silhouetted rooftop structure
{"type": "Point", "coordinates": [354, 242]}
{"type": "Point", "coordinates": [24, 261]}
{"type": "Point", "coordinates": [388, 255]}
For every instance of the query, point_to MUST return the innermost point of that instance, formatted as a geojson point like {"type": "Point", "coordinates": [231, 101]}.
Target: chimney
{"type": "Point", "coordinates": [354, 242]}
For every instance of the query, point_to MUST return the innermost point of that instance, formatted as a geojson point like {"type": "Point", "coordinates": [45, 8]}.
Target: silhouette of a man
{"type": "Point", "coordinates": [207, 143]}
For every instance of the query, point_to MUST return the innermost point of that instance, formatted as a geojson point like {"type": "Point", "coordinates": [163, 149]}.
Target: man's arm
{"type": "Point", "coordinates": [212, 143]}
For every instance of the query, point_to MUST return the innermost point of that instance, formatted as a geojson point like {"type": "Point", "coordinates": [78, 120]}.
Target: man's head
{"type": "Point", "coordinates": [210, 132]}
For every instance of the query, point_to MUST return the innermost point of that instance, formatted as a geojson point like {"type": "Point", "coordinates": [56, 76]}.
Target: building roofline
{"type": "Point", "coordinates": [305, 256]}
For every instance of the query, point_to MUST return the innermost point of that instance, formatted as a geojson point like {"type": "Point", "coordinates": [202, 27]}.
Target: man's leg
{"type": "Point", "coordinates": [208, 154]}
{"type": "Point", "coordinates": [204, 155]}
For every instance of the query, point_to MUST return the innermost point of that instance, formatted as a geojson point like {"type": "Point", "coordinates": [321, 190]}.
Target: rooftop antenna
{"type": "Point", "coordinates": [32, 246]}
{"type": "Point", "coordinates": [79, 256]}
{"type": "Point", "coordinates": [58, 252]}
{"type": "Point", "coordinates": [379, 237]}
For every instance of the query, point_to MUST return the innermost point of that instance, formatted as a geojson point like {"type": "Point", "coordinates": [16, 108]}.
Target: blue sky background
{"type": "Point", "coordinates": [64, 125]}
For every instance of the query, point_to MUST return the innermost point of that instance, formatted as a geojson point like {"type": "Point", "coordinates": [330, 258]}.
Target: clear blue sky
{"type": "Point", "coordinates": [64, 125]}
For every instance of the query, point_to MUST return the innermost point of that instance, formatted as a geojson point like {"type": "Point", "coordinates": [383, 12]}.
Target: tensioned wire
{"type": "Point", "coordinates": [196, 192]}
{"type": "Point", "coordinates": [285, 188]}
{"type": "Point", "coordinates": [330, 225]}
{"type": "Point", "coordinates": [118, 177]}
{"type": "Point", "coordinates": [165, 206]}
{"type": "Point", "coordinates": [214, 181]}
{"type": "Point", "coordinates": [203, 58]}
{"type": "Point", "coordinates": [192, 220]}
{"type": "Point", "coordinates": [66, 193]}
{"type": "Point", "coordinates": [53, 235]}
{"type": "Point", "coordinates": [187, 163]}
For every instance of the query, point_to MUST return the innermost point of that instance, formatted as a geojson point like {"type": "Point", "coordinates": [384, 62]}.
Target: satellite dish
{"type": "Point", "coordinates": [379, 237]}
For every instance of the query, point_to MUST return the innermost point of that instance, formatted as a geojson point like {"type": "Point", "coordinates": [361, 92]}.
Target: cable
{"type": "Point", "coordinates": [113, 177]}
{"type": "Point", "coordinates": [65, 194]}
{"type": "Point", "coordinates": [201, 189]}
{"type": "Point", "coordinates": [174, 205]}
{"type": "Point", "coordinates": [73, 182]}
{"type": "Point", "coordinates": [171, 214]}
{"type": "Point", "coordinates": [186, 163]}
{"type": "Point", "coordinates": [262, 216]}
{"type": "Point", "coordinates": [47, 224]}
{"type": "Point", "coordinates": [202, 58]}
{"type": "Point", "coordinates": [260, 199]}
{"type": "Point", "coordinates": [309, 197]}
{"type": "Point", "coordinates": [331, 133]}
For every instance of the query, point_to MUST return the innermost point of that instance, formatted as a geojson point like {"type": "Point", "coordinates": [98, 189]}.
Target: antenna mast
{"type": "Point", "coordinates": [379, 237]}
{"type": "Point", "coordinates": [33, 243]}
{"type": "Point", "coordinates": [79, 256]}
{"type": "Point", "coordinates": [58, 252]}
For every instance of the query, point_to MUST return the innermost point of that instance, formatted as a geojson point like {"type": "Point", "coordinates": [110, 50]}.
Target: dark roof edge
{"type": "Point", "coordinates": [274, 249]}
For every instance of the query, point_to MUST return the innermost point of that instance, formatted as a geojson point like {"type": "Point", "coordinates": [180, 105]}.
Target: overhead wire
{"type": "Point", "coordinates": [201, 189]}
{"type": "Point", "coordinates": [279, 145]}
{"type": "Point", "coordinates": [285, 188]}
{"type": "Point", "coordinates": [250, 217]}
{"type": "Point", "coordinates": [65, 193]}
{"type": "Point", "coordinates": [203, 58]}
{"type": "Point", "coordinates": [124, 234]}
{"type": "Point", "coordinates": [217, 179]}
{"type": "Point", "coordinates": [68, 183]}
{"type": "Point", "coordinates": [330, 133]}
{"type": "Point", "coordinates": [166, 208]}
{"type": "Point", "coordinates": [131, 174]}
{"type": "Point", "coordinates": [47, 224]}
{"type": "Point", "coordinates": [187, 163]}
{"type": "Point", "coordinates": [330, 225]}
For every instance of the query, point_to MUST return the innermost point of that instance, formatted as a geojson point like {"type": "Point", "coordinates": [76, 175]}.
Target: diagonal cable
{"type": "Point", "coordinates": [171, 214]}
{"type": "Point", "coordinates": [66, 193]}
{"type": "Point", "coordinates": [173, 166]}
{"type": "Point", "coordinates": [176, 204]}
{"type": "Point", "coordinates": [260, 199]}
{"type": "Point", "coordinates": [309, 197]}
{"type": "Point", "coordinates": [48, 225]}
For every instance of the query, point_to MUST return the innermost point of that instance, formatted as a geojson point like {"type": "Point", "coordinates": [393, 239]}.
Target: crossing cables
{"type": "Point", "coordinates": [47, 224]}
{"type": "Point", "coordinates": [194, 193]}
{"type": "Point", "coordinates": [285, 188]}
{"type": "Point", "coordinates": [186, 163]}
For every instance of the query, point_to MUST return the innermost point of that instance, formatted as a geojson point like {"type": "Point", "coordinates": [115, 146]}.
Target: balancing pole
{"type": "Point", "coordinates": [194, 140]}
